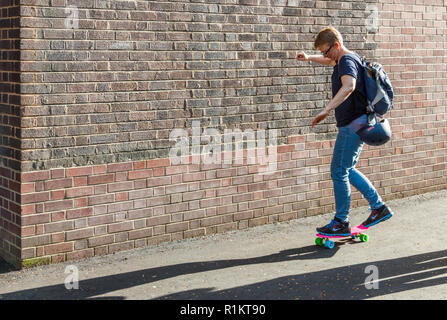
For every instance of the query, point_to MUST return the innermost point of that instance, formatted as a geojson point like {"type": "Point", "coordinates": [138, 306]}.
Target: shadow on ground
{"type": "Point", "coordinates": [348, 282]}
{"type": "Point", "coordinates": [6, 267]}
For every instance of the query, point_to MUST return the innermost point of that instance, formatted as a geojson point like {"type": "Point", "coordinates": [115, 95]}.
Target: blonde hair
{"type": "Point", "coordinates": [328, 35]}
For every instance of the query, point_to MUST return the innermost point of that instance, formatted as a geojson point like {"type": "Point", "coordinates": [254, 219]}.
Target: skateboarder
{"type": "Point", "coordinates": [350, 115]}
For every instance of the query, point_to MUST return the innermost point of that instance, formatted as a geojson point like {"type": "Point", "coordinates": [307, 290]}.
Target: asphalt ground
{"type": "Point", "coordinates": [405, 258]}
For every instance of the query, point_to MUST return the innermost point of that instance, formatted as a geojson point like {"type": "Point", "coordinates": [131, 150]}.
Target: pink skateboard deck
{"type": "Point", "coordinates": [356, 232]}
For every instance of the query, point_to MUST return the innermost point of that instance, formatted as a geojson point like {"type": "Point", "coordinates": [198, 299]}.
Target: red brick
{"type": "Point", "coordinates": [100, 169]}
{"type": "Point", "coordinates": [58, 184]}
{"type": "Point", "coordinates": [121, 226]}
{"type": "Point", "coordinates": [140, 233]}
{"type": "Point", "coordinates": [79, 213]}
{"type": "Point", "coordinates": [176, 169]}
{"type": "Point", "coordinates": [101, 199]}
{"type": "Point", "coordinates": [159, 220]}
{"type": "Point", "coordinates": [35, 197]}
{"type": "Point", "coordinates": [14, 186]}
{"type": "Point", "coordinates": [158, 163]}
{"type": "Point", "coordinates": [120, 186]}
{"type": "Point", "coordinates": [27, 188]}
{"type": "Point", "coordinates": [58, 226]}
{"type": "Point", "coordinates": [28, 231]}
{"type": "Point", "coordinates": [156, 201]}
{"type": "Point", "coordinates": [139, 194]}
{"type": "Point", "coordinates": [58, 205]}
{"type": "Point", "coordinates": [58, 248]}
{"type": "Point", "coordinates": [139, 165]}
{"type": "Point", "coordinates": [102, 179]}
{"type": "Point", "coordinates": [176, 227]}
{"type": "Point", "coordinates": [121, 246]}
{"type": "Point", "coordinates": [99, 251]}
{"type": "Point", "coordinates": [226, 227]}
{"type": "Point", "coordinates": [57, 173]}
{"type": "Point", "coordinates": [177, 207]}
{"type": "Point", "coordinates": [100, 241]}
{"type": "Point", "coordinates": [140, 174]}
{"type": "Point", "coordinates": [285, 148]}
{"type": "Point", "coordinates": [100, 220]}
{"type": "Point", "coordinates": [121, 176]}
{"type": "Point", "coordinates": [80, 202]}
{"type": "Point", "coordinates": [57, 195]}
{"type": "Point", "coordinates": [34, 219]}
{"type": "Point", "coordinates": [197, 176]}
{"type": "Point", "coordinates": [122, 196]}
{"type": "Point", "coordinates": [76, 172]}
{"type": "Point", "coordinates": [57, 237]}
{"type": "Point", "coordinates": [36, 241]}
{"type": "Point", "coordinates": [159, 172]}
{"type": "Point", "coordinates": [211, 221]}
{"type": "Point", "coordinates": [79, 234]}
{"type": "Point", "coordinates": [140, 213]}
{"type": "Point", "coordinates": [28, 209]}
{"type": "Point", "coordinates": [57, 216]}
{"type": "Point", "coordinates": [79, 181]}
{"type": "Point", "coordinates": [79, 192]}
{"type": "Point", "coordinates": [120, 207]}
{"type": "Point", "coordinates": [116, 167]}
{"type": "Point", "coordinates": [81, 254]}
{"type": "Point", "coordinates": [159, 181]}
{"type": "Point", "coordinates": [35, 176]}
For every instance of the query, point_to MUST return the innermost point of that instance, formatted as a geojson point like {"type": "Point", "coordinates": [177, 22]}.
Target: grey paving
{"type": "Point", "coordinates": [405, 258]}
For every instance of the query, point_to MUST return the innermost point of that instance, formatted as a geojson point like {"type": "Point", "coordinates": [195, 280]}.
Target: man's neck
{"type": "Point", "coordinates": [343, 51]}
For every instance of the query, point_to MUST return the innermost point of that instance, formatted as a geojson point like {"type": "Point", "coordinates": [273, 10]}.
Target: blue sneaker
{"type": "Point", "coordinates": [335, 228]}
{"type": "Point", "coordinates": [378, 215]}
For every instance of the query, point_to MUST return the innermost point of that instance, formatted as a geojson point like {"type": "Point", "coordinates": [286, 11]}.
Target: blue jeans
{"type": "Point", "coordinates": [347, 149]}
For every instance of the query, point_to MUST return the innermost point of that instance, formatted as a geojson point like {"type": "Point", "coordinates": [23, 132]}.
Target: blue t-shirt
{"type": "Point", "coordinates": [354, 106]}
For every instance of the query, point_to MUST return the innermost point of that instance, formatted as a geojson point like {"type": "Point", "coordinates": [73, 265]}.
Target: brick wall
{"type": "Point", "coordinates": [105, 83]}
{"type": "Point", "coordinates": [112, 86]}
{"type": "Point", "coordinates": [413, 45]}
{"type": "Point", "coordinates": [10, 130]}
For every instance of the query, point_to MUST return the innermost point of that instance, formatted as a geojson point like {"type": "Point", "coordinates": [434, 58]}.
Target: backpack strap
{"type": "Point", "coordinates": [365, 105]}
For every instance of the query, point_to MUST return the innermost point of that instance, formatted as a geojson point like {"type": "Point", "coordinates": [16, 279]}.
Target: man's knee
{"type": "Point", "coordinates": [339, 173]}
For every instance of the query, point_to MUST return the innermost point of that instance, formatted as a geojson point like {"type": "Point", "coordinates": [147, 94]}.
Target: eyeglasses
{"type": "Point", "coordinates": [327, 51]}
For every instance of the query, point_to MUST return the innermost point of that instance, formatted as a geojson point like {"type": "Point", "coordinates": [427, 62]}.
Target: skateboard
{"type": "Point", "coordinates": [356, 233]}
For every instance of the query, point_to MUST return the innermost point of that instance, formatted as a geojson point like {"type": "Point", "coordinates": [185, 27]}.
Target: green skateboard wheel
{"type": "Point", "coordinates": [318, 241]}
{"type": "Point", "coordinates": [364, 237]}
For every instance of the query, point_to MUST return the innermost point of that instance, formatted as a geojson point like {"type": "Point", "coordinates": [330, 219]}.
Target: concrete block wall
{"type": "Point", "coordinates": [103, 84]}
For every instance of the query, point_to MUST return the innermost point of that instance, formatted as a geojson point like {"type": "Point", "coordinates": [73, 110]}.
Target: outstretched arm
{"type": "Point", "coordinates": [320, 59]}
